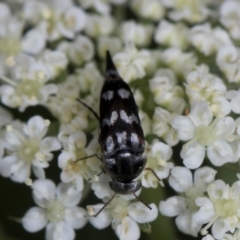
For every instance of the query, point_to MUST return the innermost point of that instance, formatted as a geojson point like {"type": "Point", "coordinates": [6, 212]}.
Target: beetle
{"type": "Point", "coordinates": [121, 136]}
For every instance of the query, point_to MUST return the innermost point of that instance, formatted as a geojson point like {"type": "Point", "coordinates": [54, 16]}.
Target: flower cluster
{"type": "Point", "coordinates": [182, 61]}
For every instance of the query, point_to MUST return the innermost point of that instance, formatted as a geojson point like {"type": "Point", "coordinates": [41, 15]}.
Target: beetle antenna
{"type": "Point", "coordinates": [90, 109]}
{"type": "Point", "coordinates": [84, 158]}
{"type": "Point", "coordinates": [140, 200]}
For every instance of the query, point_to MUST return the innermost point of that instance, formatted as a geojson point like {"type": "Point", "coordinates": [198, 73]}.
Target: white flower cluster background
{"type": "Point", "coordinates": [182, 60]}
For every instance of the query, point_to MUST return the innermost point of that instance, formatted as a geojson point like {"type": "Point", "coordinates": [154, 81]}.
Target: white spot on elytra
{"type": "Point", "coordinates": [134, 139]}
{"type": "Point", "coordinates": [121, 138]}
{"type": "Point", "coordinates": [108, 95]}
{"type": "Point", "coordinates": [128, 119]}
{"type": "Point", "coordinates": [112, 120]}
{"type": "Point", "coordinates": [123, 93]}
{"type": "Point", "coordinates": [109, 144]}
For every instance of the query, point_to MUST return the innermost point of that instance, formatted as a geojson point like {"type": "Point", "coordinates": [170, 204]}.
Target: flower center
{"type": "Point", "coordinates": [205, 135]}
{"type": "Point", "coordinates": [9, 46]}
{"type": "Point", "coordinates": [226, 208]}
{"type": "Point", "coordinates": [29, 88]}
{"type": "Point", "coordinates": [28, 150]}
{"type": "Point", "coordinates": [55, 211]}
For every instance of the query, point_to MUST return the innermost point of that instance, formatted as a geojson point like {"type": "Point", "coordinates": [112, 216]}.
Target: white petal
{"type": "Point", "coordinates": [38, 172]}
{"type": "Point", "coordinates": [50, 144]}
{"type": "Point", "coordinates": [63, 159]}
{"type": "Point", "coordinates": [127, 229]}
{"type": "Point", "coordinates": [180, 179]}
{"type": "Point", "coordinates": [76, 217]}
{"type": "Point", "coordinates": [101, 188]}
{"type": "Point", "coordinates": [187, 225]}
{"type": "Point", "coordinates": [224, 127]}
{"type": "Point", "coordinates": [5, 116]}
{"type": "Point", "coordinates": [102, 220]}
{"type": "Point", "coordinates": [165, 150]}
{"type": "Point", "coordinates": [206, 211]}
{"type": "Point", "coordinates": [33, 41]}
{"type": "Point", "coordinates": [235, 104]}
{"type": "Point", "coordinates": [184, 127]}
{"type": "Point", "coordinates": [5, 11]}
{"type": "Point", "coordinates": [203, 176]}
{"type": "Point", "coordinates": [219, 228]}
{"type": "Point", "coordinates": [20, 171]}
{"type": "Point", "coordinates": [220, 153]}
{"type": "Point", "coordinates": [34, 219]}
{"type": "Point", "coordinates": [36, 127]}
{"type": "Point", "coordinates": [201, 113]}
{"type": "Point", "coordinates": [217, 190]}
{"type": "Point", "coordinates": [79, 182]}
{"type": "Point", "coordinates": [173, 206]}
{"type": "Point", "coordinates": [6, 165]}
{"type": "Point", "coordinates": [68, 194]}
{"type": "Point", "coordinates": [192, 154]}
{"type": "Point", "coordinates": [43, 191]}
{"type": "Point", "coordinates": [231, 94]}
{"type": "Point", "coordinates": [59, 231]}
{"type": "Point", "coordinates": [13, 140]}
{"type": "Point", "coordinates": [142, 214]}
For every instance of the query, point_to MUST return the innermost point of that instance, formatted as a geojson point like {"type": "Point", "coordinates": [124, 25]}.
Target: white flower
{"type": "Point", "coordinates": [216, 137]}
{"type": "Point", "coordinates": [27, 147]}
{"type": "Point", "coordinates": [186, 10]}
{"type": "Point", "coordinates": [74, 170]}
{"type": "Point", "coordinates": [204, 86]}
{"type": "Point", "coordinates": [29, 87]}
{"type": "Point", "coordinates": [190, 187]}
{"type": "Point", "coordinates": [166, 93]}
{"type": "Point", "coordinates": [131, 63]}
{"type": "Point", "coordinates": [228, 60]}
{"type": "Point", "coordinates": [139, 34]}
{"type": "Point", "coordinates": [112, 44]}
{"type": "Point", "coordinates": [162, 126]}
{"type": "Point", "coordinates": [64, 105]}
{"type": "Point", "coordinates": [220, 209]}
{"type": "Point", "coordinates": [57, 210]}
{"type": "Point", "coordinates": [12, 43]}
{"type": "Point", "coordinates": [55, 18]}
{"type": "Point", "coordinates": [55, 61]}
{"type": "Point", "coordinates": [230, 16]}
{"type": "Point", "coordinates": [124, 216]}
{"type": "Point", "coordinates": [157, 155]}
{"type": "Point", "coordinates": [98, 25]}
{"type": "Point", "coordinates": [89, 77]}
{"type": "Point", "coordinates": [148, 9]}
{"type": "Point", "coordinates": [180, 62]}
{"type": "Point", "coordinates": [79, 51]}
{"type": "Point", "coordinates": [234, 97]}
{"type": "Point", "coordinates": [208, 40]}
{"type": "Point", "coordinates": [173, 35]}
